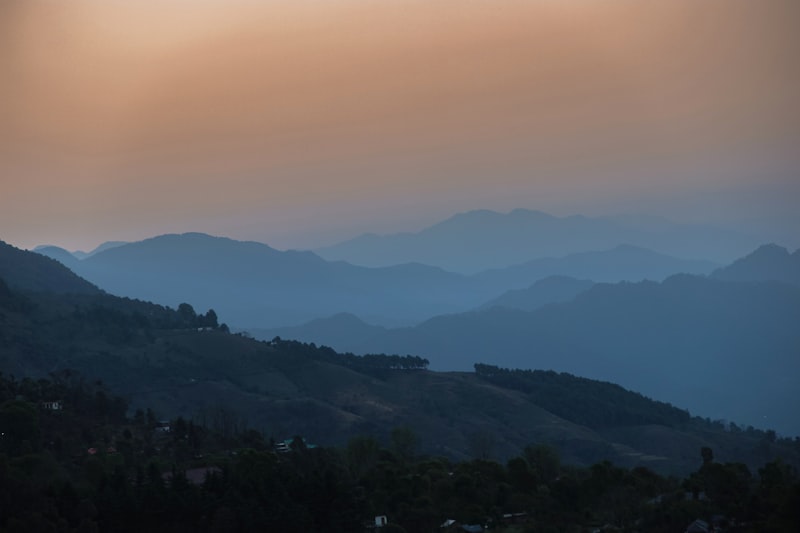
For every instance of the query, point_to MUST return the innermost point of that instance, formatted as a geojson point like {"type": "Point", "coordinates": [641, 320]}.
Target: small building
{"type": "Point", "coordinates": [52, 406]}
{"type": "Point", "coordinates": [381, 520]}
{"type": "Point", "coordinates": [287, 445]}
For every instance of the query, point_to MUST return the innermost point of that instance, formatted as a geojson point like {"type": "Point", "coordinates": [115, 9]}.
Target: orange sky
{"type": "Point", "coordinates": [299, 123]}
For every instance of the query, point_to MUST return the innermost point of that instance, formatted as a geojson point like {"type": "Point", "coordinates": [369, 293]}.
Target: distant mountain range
{"type": "Point", "coordinates": [252, 285]}
{"type": "Point", "coordinates": [346, 332]}
{"type": "Point", "coordinates": [555, 289]}
{"type": "Point", "coordinates": [78, 254]}
{"type": "Point", "coordinates": [726, 349]}
{"type": "Point", "coordinates": [621, 263]}
{"type": "Point", "coordinates": [156, 357]}
{"type": "Point", "coordinates": [480, 240]}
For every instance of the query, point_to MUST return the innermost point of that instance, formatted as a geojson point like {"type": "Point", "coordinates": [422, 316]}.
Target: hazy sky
{"type": "Point", "coordinates": [301, 122]}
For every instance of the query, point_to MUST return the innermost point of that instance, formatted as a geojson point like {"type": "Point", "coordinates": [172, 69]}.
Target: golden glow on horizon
{"type": "Point", "coordinates": [184, 112]}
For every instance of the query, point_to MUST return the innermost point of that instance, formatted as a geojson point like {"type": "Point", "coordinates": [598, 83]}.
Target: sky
{"type": "Point", "coordinates": [301, 123]}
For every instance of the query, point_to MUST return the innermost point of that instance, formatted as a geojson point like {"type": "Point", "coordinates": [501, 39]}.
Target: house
{"type": "Point", "coordinates": [371, 526]}
{"type": "Point", "coordinates": [52, 406]}
{"type": "Point", "coordinates": [288, 445]}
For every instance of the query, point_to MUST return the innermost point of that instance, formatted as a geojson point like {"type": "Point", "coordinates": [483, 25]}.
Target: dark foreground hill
{"type": "Point", "coordinates": [183, 363]}
{"type": "Point", "coordinates": [80, 463]}
{"type": "Point", "coordinates": [27, 271]}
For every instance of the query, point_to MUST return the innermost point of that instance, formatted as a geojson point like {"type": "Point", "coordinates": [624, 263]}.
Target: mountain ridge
{"type": "Point", "coordinates": [498, 240]}
{"type": "Point", "coordinates": [768, 262]}
{"type": "Point", "coordinates": [552, 289]}
{"type": "Point", "coordinates": [256, 286]}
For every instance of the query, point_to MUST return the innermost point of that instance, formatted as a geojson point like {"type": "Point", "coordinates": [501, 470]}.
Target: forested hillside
{"type": "Point", "coordinates": [71, 460]}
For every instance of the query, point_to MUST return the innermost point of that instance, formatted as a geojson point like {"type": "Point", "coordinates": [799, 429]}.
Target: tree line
{"type": "Point", "coordinates": [373, 364]}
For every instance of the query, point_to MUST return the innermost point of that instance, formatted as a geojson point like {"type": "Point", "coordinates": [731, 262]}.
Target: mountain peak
{"type": "Point", "coordinates": [771, 251]}
{"type": "Point", "coordinates": [768, 262]}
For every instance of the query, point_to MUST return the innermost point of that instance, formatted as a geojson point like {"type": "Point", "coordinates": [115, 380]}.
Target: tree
{"type": "Point", "coordinates": [404, 442]}
{"type": "Point", "coordinates": [520, 476]}
{"type": "Point", "coordinates": [707, 454]}
{"type": "Point", "coordinates": [362, 454]}
{"type": "Point", "coordinates": [544, 460]}
{"type": "Point", "coordinates": [209, 320]}
{"type": "Point", "coordinates": [727, 485]}
{"type": "Point", "coordinates": [19, 427]}
{"type": "Point", "coordinates": [187, 314]}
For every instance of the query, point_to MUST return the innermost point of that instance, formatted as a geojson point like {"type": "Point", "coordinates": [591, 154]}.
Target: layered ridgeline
{"type": "Point", "coordinates": [347, 332]}
{"type": "Point", "coordinates": [479, 240]}
{"type": "Point", "coordinates": [184, 363]}
{"type": "Point", "coordinates": [725, 348]}
{"type": "Point", "coordinates": [692, 341]}
{"type": "Point", "coordinates": [256, 286]}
